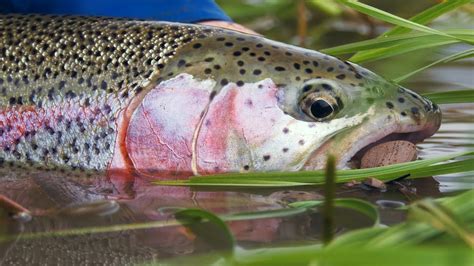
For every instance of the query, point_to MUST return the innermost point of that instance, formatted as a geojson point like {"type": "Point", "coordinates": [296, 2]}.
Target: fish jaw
{"type": "Point", "coordinates": [414, 120]}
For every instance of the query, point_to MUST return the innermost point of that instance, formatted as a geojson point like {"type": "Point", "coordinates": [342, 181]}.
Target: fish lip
{"type": "Point", "coordinates": [394, 131]}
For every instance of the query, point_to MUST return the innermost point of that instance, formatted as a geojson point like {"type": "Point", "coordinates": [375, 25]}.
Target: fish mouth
{"type": "Point", "coordinates": [350, 149]}
{"type": "Point", "coordinates": [416, 137]}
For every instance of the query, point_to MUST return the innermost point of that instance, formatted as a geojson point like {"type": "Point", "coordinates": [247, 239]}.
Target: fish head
{"type": "Point", "coordinates": [270, 106]}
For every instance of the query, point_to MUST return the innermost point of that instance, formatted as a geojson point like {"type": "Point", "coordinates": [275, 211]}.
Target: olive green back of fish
{"type": "Point", "coordinates": [65, 79]}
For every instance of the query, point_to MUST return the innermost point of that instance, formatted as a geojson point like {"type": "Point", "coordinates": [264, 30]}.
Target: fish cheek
{"type": "Point", "coordinates": [161, 130]}
{"type": "Point", "coordinates": [245, 130]}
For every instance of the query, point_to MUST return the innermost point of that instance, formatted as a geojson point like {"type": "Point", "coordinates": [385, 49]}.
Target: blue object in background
{"type": "Point", "coordinates": [186, 11]}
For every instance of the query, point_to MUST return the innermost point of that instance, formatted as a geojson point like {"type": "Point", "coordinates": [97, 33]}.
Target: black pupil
{"type": "Point", "coordinates": [321, 109]}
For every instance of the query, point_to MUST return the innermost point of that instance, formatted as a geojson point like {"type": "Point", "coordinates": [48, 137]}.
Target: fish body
{"type": "Point", "coordinates": [93, 93]}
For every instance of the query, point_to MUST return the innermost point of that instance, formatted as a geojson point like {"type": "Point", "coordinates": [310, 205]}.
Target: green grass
{"type": "Point", "coordinates": [421, 168]}
{"type": "Point", "coordinates": [402, 244]}
{"type": "Point", "coordinates": [422, 18]}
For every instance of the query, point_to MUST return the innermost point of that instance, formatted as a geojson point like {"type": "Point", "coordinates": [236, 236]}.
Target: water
{"type": "Point", "coordinates": [141, 229]}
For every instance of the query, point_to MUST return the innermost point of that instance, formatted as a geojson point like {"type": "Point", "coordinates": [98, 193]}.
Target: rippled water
{"type": "Point", "coordinates": [119, 231]}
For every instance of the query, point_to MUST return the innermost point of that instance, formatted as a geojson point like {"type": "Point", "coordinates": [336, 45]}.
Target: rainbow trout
{"type": "Point", "coordinates": [91, 93]}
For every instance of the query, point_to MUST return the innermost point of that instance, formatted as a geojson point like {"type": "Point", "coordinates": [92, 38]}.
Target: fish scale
{"type": "Point", "coordinates": [49, 62]}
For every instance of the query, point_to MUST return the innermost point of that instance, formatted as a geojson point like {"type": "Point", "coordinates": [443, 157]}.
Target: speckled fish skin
{"type": "Point", "coordinates": [70, 87]}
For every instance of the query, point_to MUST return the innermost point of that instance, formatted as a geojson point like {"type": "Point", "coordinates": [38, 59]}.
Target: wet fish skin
{"type": "Point", "coordinates": [65, 79]}
{"type": "Point", "coordinates": [70, 85]}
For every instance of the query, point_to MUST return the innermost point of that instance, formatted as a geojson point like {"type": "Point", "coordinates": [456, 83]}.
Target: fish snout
{"type": "Point", "coordinates": [421, 114]}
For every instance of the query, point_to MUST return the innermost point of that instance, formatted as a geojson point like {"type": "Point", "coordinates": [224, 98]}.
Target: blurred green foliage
{"type": "Point", "coordinates": [328, 23]}
{"type": "Point", "coordinates": [319, 24]}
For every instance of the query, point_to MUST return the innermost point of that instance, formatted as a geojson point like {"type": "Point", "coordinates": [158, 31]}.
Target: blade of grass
{"type": "Point", "coordinates": [456, 96]}
{"type": "Point", "coordinates": [313, 255]}
{"type": "Point", "coordinates": [415, 169]}
{"type": "Point", "coordinates": [390, 18]}
{"type": "Point", "coordinates": [441, 218]}
{"type": "Point", "coordinates": [400, 239]}
{"type": "Point", "coordinates": [359, 205]}
{"type": "Point", "coordinates": [403, 48]}
{"type": "Point", "coordinates": [396, 40]}
{"type": "Point", "coordinates": [429, 14]}
{"type": "Point", "coordinates": [265, 214]}
{"type": "Point", "coordinates": [409, 233]}
{"type": "Point", "coordinates": [329, 195]}
{"type": "Point", "coordinates": [423, 18]}
{"type": "Point", "coordinates": [447, 59]}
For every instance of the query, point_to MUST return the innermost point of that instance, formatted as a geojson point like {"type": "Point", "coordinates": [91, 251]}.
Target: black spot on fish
{"type": "Point", "coordinates": [403, 113]}
{"type": "Point", "coordinates": [70, 94]}
{"type": "Point", "coordinates": [327, 87]}
{"type": "Point", "coordinates": [228, 44]}
{"type": "Point", "coordinates": [415, 110]}
{"type": "Point", "coordinates": [181, 63]}
{"type": "Point", "coordinates": [389, 105]}
{"type": "Point", "coordinates": [224, 82]}
{"type": "Point", "coordinates": [286, 130]}
{"type": "Point", "coordinates": [242, 71]}
{"type": "Point", "coordinates": [401, 100]}
{"type": "Point", "coordinates": [240, 63]}
{"type": "Point", "coordinates": [207, 71]}
{"type": "Point", "coordinates": [280, 68]}
{"type": "Point", "coordinates": [240, 83]}
{"type": "Point", "coordinates": [341, 76]}
{"type": "Point", "coordinates": [285, 149]}
{"type": "Point", "coordinates": [307, 88]}
{"type": "Point", "coordinates": [308, 70]}
{"type": "Point", "coordinates": [257, 72]}
{"type": "Point", "coordinates": [197, 45]}
{"type": "Point", "coordinates": [261, 59]}
{"type": "Point", "coordinates": [103, 85]}
{"type": "Point", "coordinates": [217, 67]}
{"type": "Point", "coordinates": [301, 142]}
{"type": "Point", "coordinates": [266, 157]}
{"type": "Point", "coordinates": [237, 53]}
{"type": "Point", "coordinates": [246, 167]}
{"type": "Point", "coordinates": [209, 59]}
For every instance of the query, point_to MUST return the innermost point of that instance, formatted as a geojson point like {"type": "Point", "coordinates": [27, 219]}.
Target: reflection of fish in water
{"type": "Point", "coordinates": [151, 97]}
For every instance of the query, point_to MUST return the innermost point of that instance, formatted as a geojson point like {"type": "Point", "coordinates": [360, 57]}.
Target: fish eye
{"type": "Point", "coordinates": [319, 107]}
